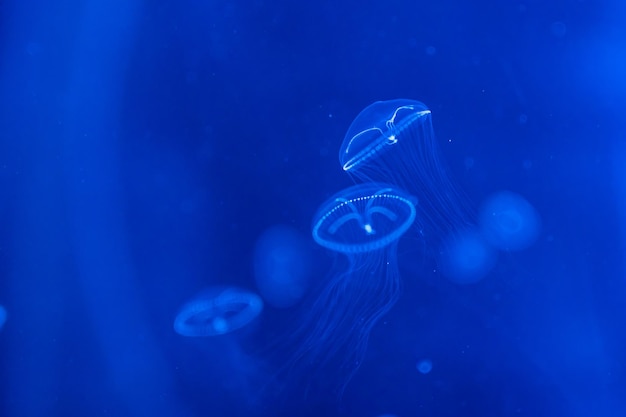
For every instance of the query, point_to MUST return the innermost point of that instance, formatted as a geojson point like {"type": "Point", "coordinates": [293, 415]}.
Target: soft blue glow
{"type": "Point", "coordinates": [377, 128]}
{"type": "Point", "coordinates": [424, 366]}
{"type": "Point", "coordinates": [465, 257]}
{"type": "Point", "coordinates": [509, 222]}
{"type": "Point", "coordinates": [217, 311]}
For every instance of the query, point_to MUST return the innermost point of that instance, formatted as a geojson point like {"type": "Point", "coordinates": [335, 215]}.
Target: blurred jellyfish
{"type": "Point", "coordinates": [364, 223]}
{"type": "Point", "coordinates": [217, 311]}
{"type": "Point", "coordinates": [424, 366]}
{"type": "Point", "coordinates": [467, 258]}
{"type": "Point", "coordinates": [3, 316]}
{"type": "Point", "coordinates": [509, 222]}
{"type": "Point", "coordinates": [282, 266]}
{"type": "Point", "coordinates": [393, 142]}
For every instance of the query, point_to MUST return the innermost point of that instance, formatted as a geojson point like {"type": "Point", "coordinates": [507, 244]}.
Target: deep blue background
{"type": "Point", "coordinates": [144, 147]}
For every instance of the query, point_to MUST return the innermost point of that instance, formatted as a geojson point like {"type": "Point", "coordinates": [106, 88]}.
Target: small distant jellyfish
{"type": "Point", "coordinates": [468, 257]}
{"type": "Point", "coordinates": [394, 142]}
{"type": "Point", "coordinates": [509, 222]}
{"type": "Point", "coordinates": [363, 223]}
{"type": "Point", "coordinates": [424, 366]}
{"type": "Point", "coordinates": [217, 311]}
{"type": "Point", "coordinates": [3, 316]}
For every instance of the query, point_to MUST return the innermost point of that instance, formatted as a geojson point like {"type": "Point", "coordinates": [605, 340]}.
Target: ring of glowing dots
{"type": "Point", "coordinates": [364, 218]}
{"type": "Point", "coordinates": [218, 312]}
{"type": "Point", "coordinates": [377, 128]}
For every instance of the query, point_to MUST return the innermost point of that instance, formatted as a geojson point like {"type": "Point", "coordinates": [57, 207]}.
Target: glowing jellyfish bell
{"type": "Point", "coordinates": [509, 222]}
{"type": "Point", "coordinates": [364, 223]}
{"type": "Point", "coordinates": [217, 311]}
{"type": "Point", "coordinates": [393, 142]}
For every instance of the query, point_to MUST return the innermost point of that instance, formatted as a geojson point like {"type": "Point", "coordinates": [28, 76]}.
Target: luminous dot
{"type": "Point", "coordinates": [220, 325]}
{"type": "Point", "coordinates": [424, 366]}
{"type": "Point", "coordinates": [368, 229]}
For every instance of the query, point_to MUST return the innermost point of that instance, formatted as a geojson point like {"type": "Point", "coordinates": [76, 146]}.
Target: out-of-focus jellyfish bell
{"type": "Point", "coordinates": [466, 257]}
{"type": "Point", "coordinates": [424, 366]}
{"type": "Point", "coordinates": [282, 266]}
{"type": "Point", "coordinates": [509, 222]}
{"type": "Point", "coordinates": [217, 311]}
{"type": "Point", "coordinates": [3, 316]}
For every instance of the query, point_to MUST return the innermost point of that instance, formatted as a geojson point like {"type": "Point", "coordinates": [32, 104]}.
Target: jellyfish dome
{"type": "Point", "coordinates": [3, 316]}
{"type": "Point", "coordinates": [393, 141]}
{"type": "Point", "coordinates": [509, 222]}
{"type": "Point", "coordinates": [364, 218]}
{"type": "Point", "coordinates": [466, 257]}
{"type": "Point", "coordinates": [377, 129]}
{"type": "Point", "coordinates": [217, 311]}
{"type": "Point", "coordinates": [363, 224]}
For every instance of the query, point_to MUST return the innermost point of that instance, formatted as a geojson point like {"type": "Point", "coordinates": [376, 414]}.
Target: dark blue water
{"type": "Point", "coordinates": [168, 246]}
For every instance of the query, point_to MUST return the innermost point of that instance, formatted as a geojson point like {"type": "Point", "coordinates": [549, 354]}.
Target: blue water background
{"type": "Point", "coordinates": [145, 147]}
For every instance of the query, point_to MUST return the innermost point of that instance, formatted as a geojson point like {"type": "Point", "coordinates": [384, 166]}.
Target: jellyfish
{"type": "Point", "coordinates": [3, 316]}
{"type": "Point", "coordinates": [393, 142]}
{"type": "Point", "coordinates": [217, 311]}
{"type": "Point", "coordinates": [509, 222]}
{"type": "Point", "coordinates": [424, 366]}
{"type": "Point", "coordinates": [363, 223]}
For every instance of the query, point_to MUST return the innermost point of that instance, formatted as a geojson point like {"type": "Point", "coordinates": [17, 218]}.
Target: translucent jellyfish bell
{"type": "Point", "coordinates": [217, 311]}
{"type": "Point", "coordinates": [376, 129]}
{"type": "Point", "coordinates": [393, 142]}
{"type": "Point", "coordinates": [364, 218]}
{"type": "Point", "coordinates": [364, 223]}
